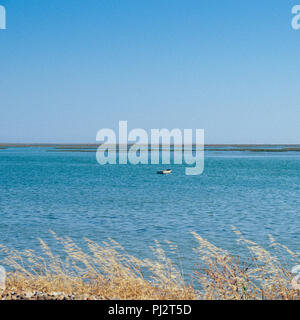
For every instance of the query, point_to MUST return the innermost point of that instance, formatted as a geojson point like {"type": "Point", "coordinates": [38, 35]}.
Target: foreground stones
{"type": "Point", "coordinates": [37, 295]}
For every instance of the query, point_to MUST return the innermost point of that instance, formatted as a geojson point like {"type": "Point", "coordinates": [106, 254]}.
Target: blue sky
{"type": "Point", "coordinates": [70, 68]}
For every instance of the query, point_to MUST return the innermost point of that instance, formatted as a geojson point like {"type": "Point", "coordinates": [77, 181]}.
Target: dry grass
{"type": "Point", "coordinates": [107, 271]}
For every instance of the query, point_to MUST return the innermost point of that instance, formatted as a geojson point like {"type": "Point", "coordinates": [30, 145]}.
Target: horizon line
{"type": "Point", "coordinates": [46, 144]}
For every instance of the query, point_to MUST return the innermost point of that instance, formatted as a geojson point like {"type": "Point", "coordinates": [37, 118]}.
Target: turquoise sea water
{"type": "Point", "coordinates": [71, 194]}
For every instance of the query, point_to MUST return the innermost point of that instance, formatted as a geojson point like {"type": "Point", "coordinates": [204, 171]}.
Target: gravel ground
{"type": "Point", "coordinates": [36, 295]}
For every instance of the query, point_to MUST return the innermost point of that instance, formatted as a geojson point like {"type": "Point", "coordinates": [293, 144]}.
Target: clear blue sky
{"type": "Point", "coordinates": [70, 68]}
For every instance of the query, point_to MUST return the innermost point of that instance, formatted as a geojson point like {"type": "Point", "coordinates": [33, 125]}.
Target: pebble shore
{"type": "Point", "coordinates": [36, 295]}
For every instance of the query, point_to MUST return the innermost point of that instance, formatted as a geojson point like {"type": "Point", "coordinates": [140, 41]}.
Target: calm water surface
{"type": "Point", "coordinates": [71, 194]}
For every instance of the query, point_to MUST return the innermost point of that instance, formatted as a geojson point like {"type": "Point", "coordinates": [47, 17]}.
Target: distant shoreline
{"type": "Point", "coordinates": [95, 145]}
{"type": "Point", "coordinates": [208, 147]}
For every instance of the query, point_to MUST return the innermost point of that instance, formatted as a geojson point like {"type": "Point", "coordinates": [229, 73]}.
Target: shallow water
{"type": "Point", "coordinates": [71, 194]}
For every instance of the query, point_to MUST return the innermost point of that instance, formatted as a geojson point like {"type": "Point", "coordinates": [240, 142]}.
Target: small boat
{"type": "Point", "coordinates": [168, 171]}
